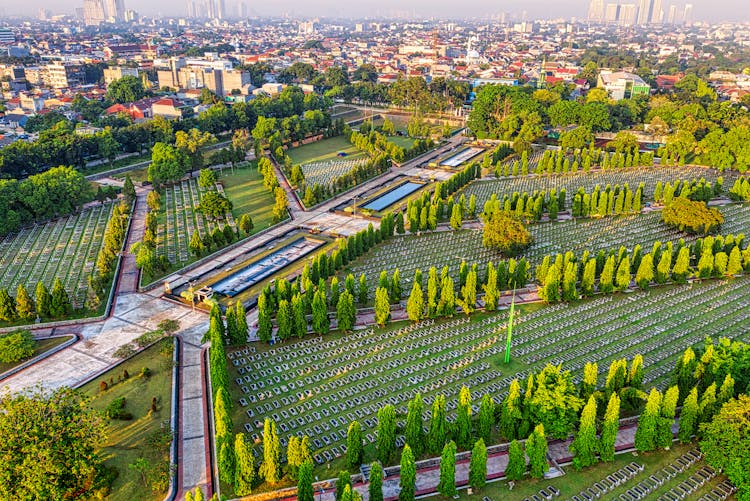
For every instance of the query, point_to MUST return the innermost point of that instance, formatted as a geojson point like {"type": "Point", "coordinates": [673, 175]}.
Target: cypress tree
{"type": "Point", "coordinates": [321, 323]}
{"type": "Point", "coordinates": [447, 304]}
{"type": "Point", "coordinates": [609, 429]}
{"type": "Point", "coordinates": [516, 467]}
{"type": "Point", "coordinates": [284, 320]}
{"type": "Point", "coordinates": [397, 290]}
{"type": "Point", "coordinates": [407, 482]}
{"type": "Point", "coordinates": [645, 435]}
{"type": "Point", "coordinates": [24, 303]}
{"type": "Point", "coordinates": [645, 274]}
{"type": "Point", "coordinates": [590, 380]}
{"type": "Point", "coordinates": [270, 469]}
{"type": "Point", "coordinates": [469, 293]}
{"type": "Point", "coordinates": [304, 484]}
{"type": "Point", "coordinates": [354, 448]}
{"type": "Point", "coordinates": [463, 418]}
{"type": "Point", "coordinates": [666, 419]}
{"type": "Point", "coordinates": [681, 266]}
{"type": "Point", "coordinates": [536, 449]}
{"type": "Point", "coordinates": [386, 433]}
{"type": "Point", "coordinates": [264, 319]}
{"type": "Point", "coordinates": [436, 434]}
{"type": "Point", "coordinates": [726, 391]}
{"type": "Point", "coordinates": [414, 433]}
{"type": "Point", "coordinates": [343, 483]}
{"type": "Point", "coordinates": [491, 292]}
{"type": "Point", "coordinates": [7, 306]}
{"type": "Point", "coordinates": [382, 306]}
{"type": "Point", "coordinates": [345, 311]}
{"type": "Point", "coordinates": [432, 292]}
{"type": "Point", "coordinates": [589, 277]}
{"type": "Point", "coordinates": [60, 302]}
{"type": "Point", "coordinates": [478, 465]}
{"type": "Point", "coordinates": [43, 300]}
{"type": "Point", "coordinates": [622, 280]}
{"type": "Point", "coordinates": [510, 413]}
{"type": "Point", "coordinates": [362, 289]}
{"type": "Point", "coordinates": [375, 489]}
{"type": "Point", "coordinates": [707, 407]}
{"type": "Point", "coordinates": [447, 484]}
{"type": "Point", "coordinates": [244, 473]}
{"type": "Point", "coordinates": [689, 417]}
{"type": "Point", "coordinates": [584, 444]}
{"type": "Point", "coordinates": [605, 279]}
{"type": "Point", "coordinates": [486, 418]}
{"type": "Point", "coordinates": [415, 303]}
{"type": "Point", "coordinates": [299, 318]}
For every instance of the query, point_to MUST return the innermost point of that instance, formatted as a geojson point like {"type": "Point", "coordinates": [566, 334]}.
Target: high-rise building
{"type": "Point", "coordinates": [688, 16]}
{"type": "Point", "coordinates": [628, 14]}
{"type": "Point", "coordinates": [645, 8]}
{"type": "Point", "coordinates": [116, 10]}
{"type": "Point", "coordinates": [93, 12]}
{"type": "Point", "coordinates": [656, 13]}
{"type": "Point", "coordinates": [672, 14]}
{"type": "Point", "coordinates": [221, 13]}
{"type": "Point", "coordinates": [612, 13]}
{"type": "Point", "coordinates": [596, 11]}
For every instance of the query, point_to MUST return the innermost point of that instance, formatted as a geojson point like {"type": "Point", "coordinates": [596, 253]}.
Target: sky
{"type": "Point", "coordinates": [708, 10]}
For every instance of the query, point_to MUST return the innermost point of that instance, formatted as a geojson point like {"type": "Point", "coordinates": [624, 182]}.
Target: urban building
{"type": "Point", "coordinates": [622, 85]}
{"type": "Point", "coordinates": [93, 12]}
{"type": "Point", "coordinates": [116, 72]}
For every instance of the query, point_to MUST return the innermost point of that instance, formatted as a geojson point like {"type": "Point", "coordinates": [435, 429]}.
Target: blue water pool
{"type": "Point", "coordinates": [263, 268]}
{"type": "Point", "coordinates": [392, 196]}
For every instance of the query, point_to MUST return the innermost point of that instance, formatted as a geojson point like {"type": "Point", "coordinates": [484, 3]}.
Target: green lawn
{"type": "Point", "coordinates": [323, 150]}
{"type": "Point", "coordinates": [574, 481]}
{"type": "Point", "coordinates": [403, 141]}
{"type": "Point", "coordinates": [127, 440]}
{"type": "Point", "coordinates": [42, 346]}
{"type": "Point", "coordinates": [248, 195]}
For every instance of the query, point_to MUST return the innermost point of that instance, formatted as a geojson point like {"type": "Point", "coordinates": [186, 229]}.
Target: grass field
{"type": "Point", "coordinates": [248, 195]}
{"type": "Point", "coordinates": [403, 141]}
{"type": "Point", "coordinates": [325, 149]}
{"type": "Point", "coordinates": [574, 481]}
{"type": "Point", "coordinates": [127, 440]}
{"type": "Point", "coordinates": [42, 346]}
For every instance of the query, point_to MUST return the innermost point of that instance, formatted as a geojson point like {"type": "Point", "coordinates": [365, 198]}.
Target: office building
{"type": "Point", "coordinates": [116, 10]}
{"type": "Point", "coordinates": [645, 9]}
{"type": "Point", "coordinates": [612, 13]}
{"type": "Point", "coordinates": [622, 85]}
{"type": "Point", "coordinates": [596, 11]}
{"type": "Point", "coordinates": [628, 14]}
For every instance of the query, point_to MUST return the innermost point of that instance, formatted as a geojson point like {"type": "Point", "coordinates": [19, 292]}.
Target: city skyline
{"type": "Point", "coordinates": [719, 10]}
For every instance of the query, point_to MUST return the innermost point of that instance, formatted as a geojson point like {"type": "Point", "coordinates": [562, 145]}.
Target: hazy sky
{"type": "Point", "coordinates": [711, 10]}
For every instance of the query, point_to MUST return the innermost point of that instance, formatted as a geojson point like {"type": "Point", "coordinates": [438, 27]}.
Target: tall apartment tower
{"type": "Point", "coordinates": [645, 9]}
{"type": "Point", "coordinates": [596, 11]}
{"type": "Point", "coordinates": [93, 12]}
{"type": "Point", "coordinates": [116, 10]}
{"type": "Point", "coordinates": [688, 16]}
{"type": "Point", "coordinates": [656, 14]}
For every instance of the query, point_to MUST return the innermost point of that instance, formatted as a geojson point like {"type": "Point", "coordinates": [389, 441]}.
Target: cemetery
{"type": "Point", "coordinates": [64, 248]}
{"type": "Point", "coordinates": [324, 172]}
{"type": "Point", "coordinates": [442, 248]}
{"type": "Point", "coordinates": [317, 386]}
{"type": "Point", "coordinates": [485, 188]}
{"type": "Point", "coordinates": [323, 150]}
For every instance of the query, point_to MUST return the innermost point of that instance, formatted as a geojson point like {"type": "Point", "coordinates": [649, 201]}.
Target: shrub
{"type": "Point", "coordinates": [124, 351]}
{"type": "Point", "coordinates": [16, 346]}
{"type": "Point", "coordinates": [116, 410]}
{"type": "Point", "coordinates": [146, 372]}
{"type": "Point", "coordinates": [103, 386]}
{"type": "Point", "coordinates": [149, 338]}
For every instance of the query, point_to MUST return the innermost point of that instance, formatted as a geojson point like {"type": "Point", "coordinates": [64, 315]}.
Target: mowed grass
{"type": "Point", "coordinates": [127, 440]}
{"type": "Point", "coordinates": [403, 141]}
{"type": "Point", "coordinates": [42, 346]}
{"type": "Point", "coordinates": [574, 481]}
{"type": "Point", "coordinates": [245, 189]}
{"type": "Point", "coordinates": [324, 149]}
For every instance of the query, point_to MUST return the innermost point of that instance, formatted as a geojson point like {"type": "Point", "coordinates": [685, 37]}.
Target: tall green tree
{"type": "Point", "coordinates": [346, 313]}
{"type": "Point", "coordinates": [516, 468]}
{"type": "Point", "coordinates": [321, 323]}
{"type": "Point", "coordinates": [24, 304]}
{"type": "Point", "coordinates": [689, 417]}
{"type": "Point", "coordinates": [584, 444]}
{"type": "Point", "coordinates": [60, 302]}
{"type": "Point", "coordinates": [382, 306]}
{"type": "Point", "coordinates": [645, 435]}
{"type": "Point", "coordinates": [270, 469]}
{"type": "Point", "coordinates": [536, 449]}
{"type": "Point", "coordinates": [386, 433]}
{"type": "Point", "coordinates": [343, 483]}
{"type": "Point", "coordinates": [264, 319]}
{"type": "Point", "coordinates": [463, 418]}
{"type": "Point", "coordinates": [354, 448]}
{"type": "Point", "coordinates": [375, 489]}
{"type": "Point", "coordinates": [43, 300]}
{"type": "Point", "coordinates": [408, 479]}
{"type": "Point", "coordinates": [447, 484]}
{"type": "Point", "coordinates": [664, 434]}
{"type": "Point", "coordinates": [305, 482]}
{"type": "Point", "coordinates": [437, 432]}
{"type": "Point", "coordinates": [486, 419]}
{"type": "Point", "coordinates": [415, 303]}
{"type": "Point", "coordinates": [610, 427]}
{"type": "Point", "coordinates": [414, 432]}
{"type": "Point", "coordinates": [510, 412]}
{"type": "Point", "coordinates": [283, 320]}
{"type": "Point", "coordinates": [244, 473]}
{"type": "Point", "coordinates": [478, 465]}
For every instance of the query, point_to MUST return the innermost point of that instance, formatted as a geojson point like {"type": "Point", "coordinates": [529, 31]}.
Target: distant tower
{"type": "Point", "coordinates": [93, 12]}
{"type": "Point", "coordinates": [688, 17]}
{"type": "Point", "coordinates": [656, 13]}
{"type": "Point", "coordinates": [542, 74]}
{"type": "Point", "coordinates": [596, 11]}
{"type": "Point", "coordinates": [645, 10]}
